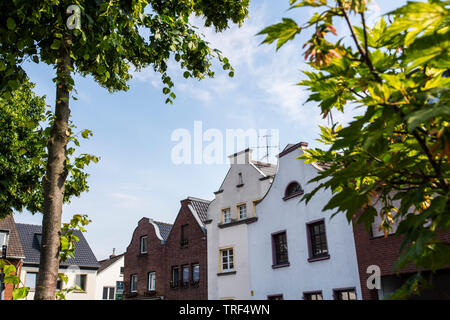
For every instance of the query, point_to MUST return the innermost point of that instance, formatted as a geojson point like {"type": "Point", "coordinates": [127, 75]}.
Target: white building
{"type": "Point", "coordinates": [110, 278]}
{"type": "Point", "coordinates": [296, 250]}
{"type": "Point", "coordinates": [80, 270]}
{"type": "Point", "coordinates": [228, 218]}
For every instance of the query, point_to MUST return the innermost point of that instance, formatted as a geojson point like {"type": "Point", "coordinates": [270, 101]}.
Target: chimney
{"type": "Point", "coordinates": [241, 157]}
{"type": "Point", "coordinates": [113, 254]}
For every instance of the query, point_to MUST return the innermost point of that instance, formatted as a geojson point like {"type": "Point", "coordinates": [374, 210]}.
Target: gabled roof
{"type": "Point", "coordinates": [164, 229]}
{"type": "Point", "coordinates": [200, 206]}
{"type": "Point", "coordinates": [14, 248]}
{"type": "Point", "coordinates": [30, 237]}
{"type": "Point", "coordinates": [107, 262]}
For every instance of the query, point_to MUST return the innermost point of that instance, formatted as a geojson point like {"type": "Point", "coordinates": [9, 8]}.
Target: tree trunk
{"type": "Point", "coordinates": [54, 181]}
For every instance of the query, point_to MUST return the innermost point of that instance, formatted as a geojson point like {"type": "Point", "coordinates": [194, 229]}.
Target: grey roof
{"type": "Point", "coordinates": [164, 229]}
{"type": "Point", "coordinates": [201, 207]}
{"type": "Point", "coordinates": [268, 169]}
{"type": "Point", "coordinates": [30, 234]}
{"type": "Point", "coordinates": [107, 262]}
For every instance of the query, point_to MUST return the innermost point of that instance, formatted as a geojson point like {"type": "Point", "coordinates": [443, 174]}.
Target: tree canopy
{"type": "Point", "coordinates": [396, 156]}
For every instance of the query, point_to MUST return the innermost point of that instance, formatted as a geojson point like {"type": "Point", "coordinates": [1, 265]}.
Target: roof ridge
{"type": "Point", "coordinates": [169, 224]}
{"type": "Point", "coordinates": [199, 200]}
{"type": "Point", "coordinates": [29, 224]}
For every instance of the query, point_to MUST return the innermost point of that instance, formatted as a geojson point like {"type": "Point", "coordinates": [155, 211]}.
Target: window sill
{"type": "Point", "coordinates": [234, 223]}
{"type": "Point", "coordinates": [240, 185]}
{"type": "Point", "coordinates": [319, 258]}
{"type": "Point", "coordinates": [226, 273]}
{"type": "Point", "coordinates": [294, 195]}
{"type": "Point", "coordinates": [281, 265]}
{"type": "Point", "coordinates": [142, 254]}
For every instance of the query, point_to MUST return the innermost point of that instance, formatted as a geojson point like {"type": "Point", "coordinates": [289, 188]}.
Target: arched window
{"type": "Point", "coordinates": [293, 189]}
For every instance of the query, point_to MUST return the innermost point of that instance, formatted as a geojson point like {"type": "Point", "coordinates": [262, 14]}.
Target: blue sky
{"type": "Point", "coordinates": [135, 176]}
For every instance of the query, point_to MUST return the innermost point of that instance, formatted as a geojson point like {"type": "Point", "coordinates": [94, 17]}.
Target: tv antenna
{"type": "Point", "coordinates": [267, 146]}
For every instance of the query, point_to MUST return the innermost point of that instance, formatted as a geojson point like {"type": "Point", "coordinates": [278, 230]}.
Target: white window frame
{"type": "Point", "coordinates": [226, 213]}
{"type": "Point", "coordinates": [133, 276]}
{"type": "Point", "coordinates": [243, 205]}
{"type": "Point", "coordinates": [3, 238]}
{"type": "Point", "coordinates": [151, 281]}
{"type": "Point", "coordinates": [227, 255]}
{"type": "Point", "coordinates": [78, 276]}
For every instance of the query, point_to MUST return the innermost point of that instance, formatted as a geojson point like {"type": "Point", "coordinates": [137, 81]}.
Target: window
{"type": "Point", "coordinates": [242, 209]}
{"type": "Point", "coordinates": [240, 180]}
{"type": "Point", "coordinates": [185, 274]}
{"type": "Point", "coordinates": [133, 282]}
{"type": "Point", "coordinates": [3, 238]}
{"type": "Point", "coordinates": [143, 244]}
{"type": "Point", "coordinates": [80, 280]}
{"type": "Point", "coordinates": [175, 277]}
{"type": "Point", "coordinates": [195, 272]}
{"type": "Point", "coordinates": [227, 260]}
{"type": "Point", "coordinates": [151, 281]}
{"type": "Point", "coordinates": [30, 280]}
{"type": "Point", "coordinates": [108, 293]}
{"type": "Point", "coordinates": [226, 214]}
{"type": "Point", "coordinates": [345, 294]}
{"type": "Point", "coordinates": [314, 295]}
{"type": "Point", "coordinates": [275, 297]}
{"type": "Point", "coordinates": [122, 270]}
{"type": "Point", "coordinates": [292, 190]}
{"type": "Point", "coordinates": [280, 248]}
{"type": "Point", "coordinates": [317, 240]}
{"type": "Point", "coordinates": [59, 284]}
{"type": "Point", "coordinates": [184, 235]}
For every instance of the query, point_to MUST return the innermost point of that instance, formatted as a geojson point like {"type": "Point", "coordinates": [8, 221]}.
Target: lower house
{"type": "Point", "coordinates": [11, 246]}
{"type": "Point", "coordinates": [110, 278]}
{"type": "Point", "coordinates": [168, 261]}
{"type": "Point", "coordinates": [80, 270]}
{"type": "Point", "coordinates": [377, 252]}
{"type": "Point", "coordinates": [295, 250]}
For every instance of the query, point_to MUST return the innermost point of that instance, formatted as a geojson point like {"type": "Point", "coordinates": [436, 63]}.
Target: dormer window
{"type": "Point", "coordinates": [3, 238]}
{"type": "Point", "coordinates": [292, 190]}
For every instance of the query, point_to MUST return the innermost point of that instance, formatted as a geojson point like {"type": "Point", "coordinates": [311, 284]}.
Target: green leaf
{"type": "Point", "coordinates": [20, 293]}
{"type": "Point", "coordinates": [55, 44]}
{"type": "Point", "coordinates": [10, 23]}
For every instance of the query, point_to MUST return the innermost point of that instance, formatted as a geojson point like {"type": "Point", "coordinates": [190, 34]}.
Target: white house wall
{"type": "Point", "coordinates": [91, 279]}
{"type": "Point", "coordinates": [108, 277]}
{"type": "Point", "coordinates": [232, 286]}
{"type": "Point", "coordinates": [275, 214]}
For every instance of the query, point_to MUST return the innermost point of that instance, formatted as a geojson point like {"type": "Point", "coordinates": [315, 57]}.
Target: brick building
{"type": "Point", "coordinates": [9, 237]}
{"type": "Point", "coordinates": [374, 249]}
{"type": "Point", "coordinates": [165, 261]}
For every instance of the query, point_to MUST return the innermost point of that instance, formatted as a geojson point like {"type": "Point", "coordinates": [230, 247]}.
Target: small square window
{"type": "Point", "coordinates": [3, 239]}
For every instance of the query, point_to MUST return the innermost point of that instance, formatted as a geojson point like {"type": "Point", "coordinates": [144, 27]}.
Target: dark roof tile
{"type": "Point", "coordinates": [30, 234]}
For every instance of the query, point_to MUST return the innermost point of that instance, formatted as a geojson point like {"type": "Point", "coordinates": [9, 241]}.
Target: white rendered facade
{"type": "Point", "coordinates": [228, 271]}
{"type": "Point", "coordinates": [108, 278]}
{"type": "Point", "coordinates": [303, 273]}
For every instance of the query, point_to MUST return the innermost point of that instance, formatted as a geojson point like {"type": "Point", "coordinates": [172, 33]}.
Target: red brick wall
{"type": "Point", "coordinates": [162, 257]}
{"type": "Point", "coordinates": [142, 264]}
{"type": "Point", "coordinates": [194, 252]}
{"type": "Point", "coordinates": [382, 252]}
